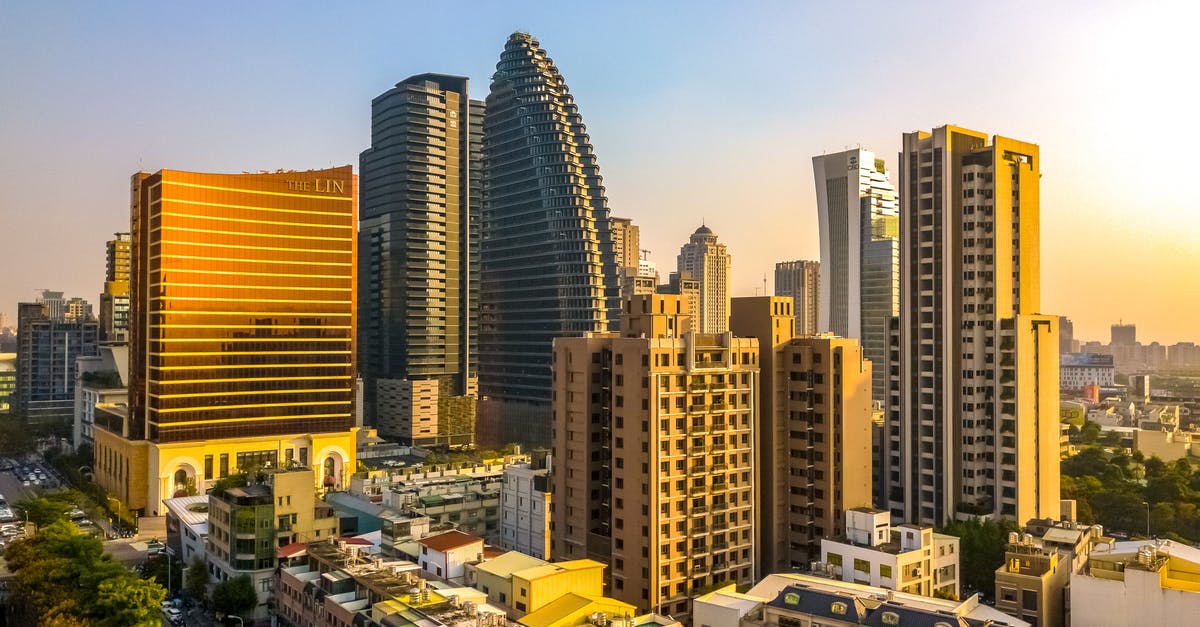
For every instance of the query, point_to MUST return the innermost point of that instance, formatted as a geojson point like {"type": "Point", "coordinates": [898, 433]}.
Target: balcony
{"type": "Point", "coordinates": [699, 509]}
{"type": "Point", "coordinates": [697, 430]}
{"type": "Point", "coordinates": [697, 490]}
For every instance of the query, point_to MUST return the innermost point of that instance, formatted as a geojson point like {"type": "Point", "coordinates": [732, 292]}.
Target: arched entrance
{"type": "Point", "coordinates": [183, 481]}
{"type": "Point", "coordinates": [331, 472]}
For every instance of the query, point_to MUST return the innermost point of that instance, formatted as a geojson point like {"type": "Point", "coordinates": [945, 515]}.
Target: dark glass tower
{"type": "Point", "coordinates": [547, 254]}
{"type": "Point", "coordinates": [418, 249]}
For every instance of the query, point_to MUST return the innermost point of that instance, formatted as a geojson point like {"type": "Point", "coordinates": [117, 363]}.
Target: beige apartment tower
{"type": "Point", "coordinates": [654, 473]}
{"type": "Point", "coordinates": [813, 447]}
{"type": "Point", "coordinates": [800, 280]}
{"type": "Point", "coordinates": [972, 415]}
{"type": "Point", "coordinates": [705, 259]}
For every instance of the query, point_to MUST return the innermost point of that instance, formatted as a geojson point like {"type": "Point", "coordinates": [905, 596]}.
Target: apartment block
{"type": "Point", "coordinates": [48, 345]}
{"type": "Point", "coordinates": [907, 558]}
{"type": "Point", "coordinates": [972, 423]}
{"type": "Point", "coordinates": [813, 438]}
{"type": "Point", "coordinates": [525, 509]}
{"type": "Point", "coordinates": [708, 261]}
{"type": "Point", "coordinates": [247, 526]}
{"type": "Point", "coordinates": [654, 470]}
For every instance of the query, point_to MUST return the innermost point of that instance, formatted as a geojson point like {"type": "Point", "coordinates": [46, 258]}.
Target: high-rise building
{"type": "Point", "coordinates": [48, 345]}
{"type": "Point", "coordinates": [972, 424]}
{"type": "Point", "coordinates": [242, 326]}
{"type": "Point", "coordinates": [708, 262]}
{"type": "Point", "coordinates": [654, 465]}
{"type": "Point", "coordinates": [1124, 334]}
{"type": "Point", "coordinates": [1066, 336]}
{"type": "Point", "coordinates": [54, 306]}
{"type": "Point", "coordinates": [627, 243]}
{"type": "Point", "coordinates": [114, 301]}
{"type": "Point", "coordinates": [800, 280]}
{"type": "Point", "coordinates": [813, 437]}
{"type": "Point", "coordinates": [860, 253]}
{"type": "Point", "coordinates": [418, 246]}
{"type": "Point", "coordinates": [548, 268]}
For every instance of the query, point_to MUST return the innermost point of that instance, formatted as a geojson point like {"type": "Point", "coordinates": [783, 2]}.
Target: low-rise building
{"type": "Point", "coordinates": [247, 526]}
{"type": "Point", "coordinates": [908, 558]}
{"type": "Point", "coordinates": [1038, 564]}
{"type": "Point", "coordinates": [804, 601]}
{"type": "Point", "coordinates": [187, 527]}
{"type": "Point", "coordinates": [1077, 370]}
{"type": "Point", "coordinates": [339, 586]}
{"type": "Point", "coordinates": [525, 584]}
{"type": "Point", "coordinates": [525, 508]}
{"type": "Point", "coordinates": [1166, 445]}
{"type": "Point", "coordinates": [573, 609]}
{"type": "Point", "coordinates": [446, 555]}
{"type": "Point", "coordinates": [1138, 583]}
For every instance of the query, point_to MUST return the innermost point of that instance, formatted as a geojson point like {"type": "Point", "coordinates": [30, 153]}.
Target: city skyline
{"type": "Point", "coordinates": [1095, 69]}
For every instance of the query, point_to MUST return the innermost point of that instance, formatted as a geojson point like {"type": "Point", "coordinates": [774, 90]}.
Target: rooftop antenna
{"type": "Point", "coordinates": [764, 284]}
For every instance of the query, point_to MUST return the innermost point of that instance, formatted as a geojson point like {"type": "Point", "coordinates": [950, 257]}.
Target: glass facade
{"type": "Point", "coordinates": [548, 262]}
{"type": "Point", "coordinates": [418, 237]}
{"type": "Point", "coordinates": [243, 304]}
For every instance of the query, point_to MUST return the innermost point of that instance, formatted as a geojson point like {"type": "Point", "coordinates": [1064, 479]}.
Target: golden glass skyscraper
{"type": "Point", "coordinates": [241, 331]}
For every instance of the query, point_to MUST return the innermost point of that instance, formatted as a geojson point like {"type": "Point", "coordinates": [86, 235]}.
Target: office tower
{"type": "Point", "coordinates": [114, 301]}
{"type": "Point", "coordinates": [800, 280]}
{"type": "Point", "coordinates": [707, 261]}
{"type": "Point", "coordinates": [418, 260]}
{"type": "Point", "coordinates": [635, 278]}
{"type": "Point", "coordinates": [1124, 334]}
{"type": "Point", "coordinates": [242, 323]}
{"type": "Point", "coordinates": [8, 381]}
{"type": "Point", "coordinates": [973, 412]}
{"type": "Point", "coordinates": [860, 252]}
{"type": "Point", "coordinates": [547, 251]}
{"type": "Point", "coordinates": [77, 309]}
{"type": "Point", "coordinates": [1066, 335]}
{"type": "Point", "coordinates": [48, 344]}
{"type": "Point", "coordinates": [654, 466]}
{"type": "Point", "coordinates": [627, 242]}
{"type": "Point", "coordinates": [813, 445]}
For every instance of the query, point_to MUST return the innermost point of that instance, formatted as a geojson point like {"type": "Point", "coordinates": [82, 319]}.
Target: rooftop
{"type": "Point", "coordinates": [449, 541]}
{"type": "Point", "coordinates": [190, 510]}
{"type": "Point", "coordinates": [556, 612]}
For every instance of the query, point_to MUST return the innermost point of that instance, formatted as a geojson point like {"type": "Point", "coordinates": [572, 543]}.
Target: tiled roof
{"type": "Point", "coordinates": [449, 541]}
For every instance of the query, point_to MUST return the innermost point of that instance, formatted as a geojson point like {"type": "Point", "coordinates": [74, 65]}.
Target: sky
{"type": "Point", "coordinates": [697, 110]}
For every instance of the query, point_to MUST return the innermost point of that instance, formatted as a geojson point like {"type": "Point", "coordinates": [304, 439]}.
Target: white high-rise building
{"type": "Point", "coordinates": [708, 262]}
{"type": "Point", "coordinates": [972, 422]}
{"type": "Point", "coordinates": [859, 288]}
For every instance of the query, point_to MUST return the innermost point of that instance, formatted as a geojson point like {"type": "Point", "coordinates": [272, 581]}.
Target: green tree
{"type": "Point", "coordinates": [234, 596]}
{"type": "Point", "coordinates": [61, 576]}
{"type": "Point", "coordinates": [128, 601]}
{"type": "Point", "coordinates": [195, 580]}
{"type": "Point", "coordinates": [981, 547]}
{"type": "Point", "coordinates": [1089, 432]}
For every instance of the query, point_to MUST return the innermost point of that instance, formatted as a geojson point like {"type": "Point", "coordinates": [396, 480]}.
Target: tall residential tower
{"type": "Point", "coordinates": [860, 253]}
{"type": "Point", "coordinates": [972, 420]}
{"type": "Point", "coordinates": [548, 265]}
{"type": "Point", "coordinates": [114, 301]}
{"type": "Point", "coordinates": [707, 261]}
{"type": "Point", "coordinates": [418, 248]}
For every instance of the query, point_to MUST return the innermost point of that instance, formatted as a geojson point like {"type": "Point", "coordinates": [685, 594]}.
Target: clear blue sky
{"type": "Point", "coordinates": [696, 109]}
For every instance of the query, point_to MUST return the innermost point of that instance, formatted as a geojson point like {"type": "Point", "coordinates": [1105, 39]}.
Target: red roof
{"type": "Point", "coordinates": [450, 540]}
{"type": "Point", "coordinates": [292, 550]}
{"type": "Point", "coordinates": [362, 541]}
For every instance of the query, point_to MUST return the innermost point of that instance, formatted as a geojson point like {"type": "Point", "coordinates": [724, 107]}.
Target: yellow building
{"type": "Point", "coordinates": [654, 466]}
{"type": "Point", "coordinates": [573, 609]}
{"type": "Point", "coordinates": [241, 333]}
{"type": "Point", "coordinates": [814, 439]}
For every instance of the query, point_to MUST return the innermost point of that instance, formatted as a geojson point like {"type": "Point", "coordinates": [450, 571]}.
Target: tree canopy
{"type": "Point", "coordinates": [61, 576]}
{"type": "Point", "coordinates": [234, 596]}
{"type": "Point", "coordinates": [981, 547]}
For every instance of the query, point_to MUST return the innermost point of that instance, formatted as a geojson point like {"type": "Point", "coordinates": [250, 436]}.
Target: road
{"type": "Point", "coordinates": [12, 489]}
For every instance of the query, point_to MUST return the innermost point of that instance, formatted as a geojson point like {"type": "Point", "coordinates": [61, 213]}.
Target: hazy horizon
{"type": "Point", "coordinates": [709, 113]}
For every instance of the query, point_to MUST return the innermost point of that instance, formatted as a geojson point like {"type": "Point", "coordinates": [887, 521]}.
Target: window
{"type": "Point", "coordinates": [1008, 595]}
{"type": "Point", "coordinates": [885, 571]}
{"type": "Point", "coordinates": [834, 559]}
{"type": "Point", "coordinates": [862, 566]}
{"type": "Point", "coordinates": [1029, 599]}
